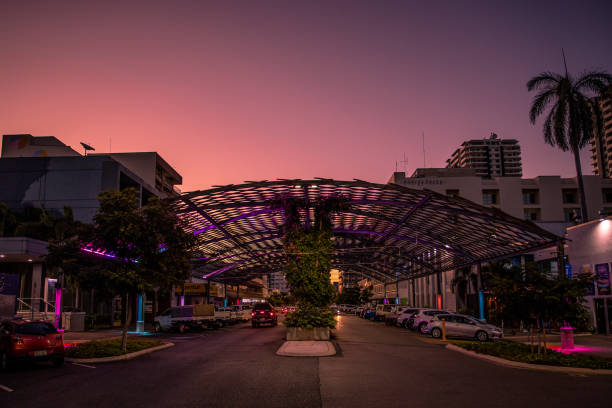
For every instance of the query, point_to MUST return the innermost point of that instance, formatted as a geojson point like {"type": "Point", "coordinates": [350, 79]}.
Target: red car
{"type": "Point", "coordinates": [24, 340]}
{"type": "Point", "coordinates": [263, 313]}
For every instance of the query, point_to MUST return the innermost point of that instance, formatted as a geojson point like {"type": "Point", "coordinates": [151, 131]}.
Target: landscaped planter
{"type": "Point", "coordinates": [300, 334]}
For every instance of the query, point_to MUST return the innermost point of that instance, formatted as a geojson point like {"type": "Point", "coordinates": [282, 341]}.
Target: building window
{"type": "Point", "coordinates": [571, 215]}
{"type": "Point", "coordinates": [490, 197]}
{"type": "Point", "coordinates": [452, 193]}
{"type": "Point", "coordinates": [531, 197]}
{"type": "Point", "coordinates": [607, 195]}
{"type": "Point", "coordinates": [570, 196]}
{"type": "Point", "coordinates": [532, 214]}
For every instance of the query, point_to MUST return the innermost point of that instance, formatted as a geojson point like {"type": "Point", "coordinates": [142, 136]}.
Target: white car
{"type": "Point", "coordinates": [422, 318]}
{"type": "Point", "coordinates": [242, 312]}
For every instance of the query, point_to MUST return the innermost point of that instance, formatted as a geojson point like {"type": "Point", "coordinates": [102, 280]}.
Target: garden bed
{"type": "Point", "coordinates": [522, 353]}
{"type": "Point", "coordinates": [109, 348]}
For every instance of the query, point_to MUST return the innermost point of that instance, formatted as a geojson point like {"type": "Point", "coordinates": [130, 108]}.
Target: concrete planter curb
{"type": "Point", "coordinates": [306, 348]}
{"type": "Point", "coordinates": [526, 366]}
{"type": "Point", "coordinates": [300, 334]}
{"type": "Point", "coordinates": [122, 357]}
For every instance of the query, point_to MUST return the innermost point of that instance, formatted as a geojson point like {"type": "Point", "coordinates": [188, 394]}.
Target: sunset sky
{"type": "Point", "coordinates": [229, 91]}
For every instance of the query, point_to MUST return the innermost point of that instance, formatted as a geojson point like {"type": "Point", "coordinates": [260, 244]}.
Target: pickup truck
{"type": "Point", "coordinates": [182, 318]}
{"type": "Point", "coordinates": [242, 313]}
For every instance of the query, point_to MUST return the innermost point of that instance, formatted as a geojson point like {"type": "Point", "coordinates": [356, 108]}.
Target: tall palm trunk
{"type": "Point", "coordinates": [583, 205]}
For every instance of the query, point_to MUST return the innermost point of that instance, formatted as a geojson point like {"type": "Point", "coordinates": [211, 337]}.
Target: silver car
{"type": "Point", "coordinates": [422, 317]}
{"type": "Point", "coordinates": [463, 326]}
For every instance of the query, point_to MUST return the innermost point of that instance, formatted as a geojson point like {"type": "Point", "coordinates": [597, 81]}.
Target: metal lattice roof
{"type": "Point", "coordinates": [389, 231]}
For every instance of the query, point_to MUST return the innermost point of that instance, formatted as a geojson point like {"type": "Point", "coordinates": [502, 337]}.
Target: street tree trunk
{"type": "Point", "coordinates": [583, 205]}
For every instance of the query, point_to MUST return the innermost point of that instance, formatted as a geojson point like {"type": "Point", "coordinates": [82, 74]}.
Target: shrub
{"type": "Point", "coordinates": [522, 352]}
{"type": "Point", "coordinates": [308, 317]}
{"type": "Point", "coordinates": [109, 348]}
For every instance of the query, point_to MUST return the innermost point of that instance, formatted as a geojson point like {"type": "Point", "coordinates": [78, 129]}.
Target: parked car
{"type": "Point", "coordinates": [391, 318]}
{"type": "Point", "coordinates": [369, 313]}
{"type": "Point", "coordinates": [182, 318]}
{"type": "Point", "coordinates": [463, 326]}
{"type": "Point", "coordinates": [263, 314]}
{"type": "Point", "coordinates": [422, 318]}
{"type": "Point", "coordinates": [404, 315]}
{"type": "Point", "coordinates": [24, 340]}
{"type": "Point", "coordinates": [242, 312]}
{"type": "Point", "coordinates": [382, 311]}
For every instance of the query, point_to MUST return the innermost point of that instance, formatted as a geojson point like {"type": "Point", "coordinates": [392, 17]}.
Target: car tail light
{"type": "Point", "coordinates": [261, 312]}
{"type": "Point", "coordinates": [271, 313]}
{"type": "Point", "coordinates": [17, 339]}
{"type": "Point", "coordinates": [252, 313]}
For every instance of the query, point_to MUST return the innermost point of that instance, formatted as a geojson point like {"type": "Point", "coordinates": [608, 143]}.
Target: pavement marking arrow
{"type": "Point", "coordinates": [83, 365]}
{"type": "Point", "coordinates": [5, 388]}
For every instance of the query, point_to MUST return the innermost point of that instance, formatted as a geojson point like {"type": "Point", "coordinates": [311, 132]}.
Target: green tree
{"type": "Point", "coordinates": [533, 295]}
{"type": "Point", "coordinates": [574, 116]}
{"type": "Point", "coordinates": [309, 249]}
{"type": "Point", "coordinates": [349, 296]}
{"type": "Point", "coordinates": [149, 243]}
{"type": "Point", "coordinates": [366, 295]}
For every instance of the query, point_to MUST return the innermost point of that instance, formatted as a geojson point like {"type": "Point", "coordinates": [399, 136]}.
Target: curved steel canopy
{"type": "Point", "coordinates": [389, 231]}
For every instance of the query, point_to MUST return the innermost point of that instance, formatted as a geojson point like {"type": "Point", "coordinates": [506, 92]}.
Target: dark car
{"type": "Point", "coordinates": [24, 340]}
{"type": "Point", "coordinates": [263, 313]}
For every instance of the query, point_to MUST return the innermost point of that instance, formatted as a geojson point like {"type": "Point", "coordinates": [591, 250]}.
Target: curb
{"type": "Point", "coordinates": [526, 366]}
{"type": "Point", "coordinates": [286, 350]}
{"type": "Point", "coordinates": [122, 357]}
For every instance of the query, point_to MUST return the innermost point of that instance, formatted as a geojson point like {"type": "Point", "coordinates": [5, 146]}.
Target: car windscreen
{"type": "Point", "coordinates": [262, 306]}
{"type": "Point", "coordinates": [36, 328]}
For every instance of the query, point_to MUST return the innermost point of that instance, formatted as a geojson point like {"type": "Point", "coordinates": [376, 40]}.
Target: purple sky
{"type": "Point", "coordinates": [230, 91]}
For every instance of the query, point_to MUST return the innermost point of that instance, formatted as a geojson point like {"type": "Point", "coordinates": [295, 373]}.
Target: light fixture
{"type": "Point", "coordinates": [2, 255]}
{"type": "Point", "coordinates": [30, 260]}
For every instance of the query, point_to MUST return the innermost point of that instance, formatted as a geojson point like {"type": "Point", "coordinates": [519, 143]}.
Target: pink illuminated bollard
{"type": "Point", "coordinates": [567, 337]}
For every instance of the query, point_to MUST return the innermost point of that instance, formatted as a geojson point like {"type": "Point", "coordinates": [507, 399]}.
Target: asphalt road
{"type": "Point", "coordinates": [377, 366]}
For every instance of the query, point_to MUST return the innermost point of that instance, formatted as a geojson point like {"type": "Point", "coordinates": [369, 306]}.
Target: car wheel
{"type": "Point", "coordinates": [436, 333]}
{"type": "Point", "coordinates": [157, 328]}
{"type": "Point", "coordinates": [220, 323]}
{"type": "Point", "coordinates": [57, 361]}
{"type": "Point", "coordinates": [482, 336]}
{"type": "Point", "coordinates": [422, 327]}
{"type": "Point", "coordinates": [181, 328]}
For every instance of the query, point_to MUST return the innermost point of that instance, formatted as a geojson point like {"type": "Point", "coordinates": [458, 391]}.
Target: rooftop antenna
{"type": "Point", "coordinates": [564, 62]}
{"type": "Point", "coordinates": [86, 147]}
{"type": "Point", "coordinates": [423, 134]}
{"type": "Point", "coordinates": [405, 162]}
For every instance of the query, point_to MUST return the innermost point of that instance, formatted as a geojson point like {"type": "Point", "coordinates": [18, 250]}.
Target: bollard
{"type": "Point", "coordinates": [443, 329]}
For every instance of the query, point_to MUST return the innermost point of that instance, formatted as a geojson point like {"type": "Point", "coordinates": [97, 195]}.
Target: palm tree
{"type": "Point", "coordinates": [575, 116]}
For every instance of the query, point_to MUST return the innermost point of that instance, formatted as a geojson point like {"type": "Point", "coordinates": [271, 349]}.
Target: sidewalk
{"type": "Point", "coordinates": [598, 345]}
{"type": "Point", "coordinates": [102, 334]}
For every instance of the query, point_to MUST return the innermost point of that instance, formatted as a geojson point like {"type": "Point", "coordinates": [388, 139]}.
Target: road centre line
{"type": "Point", "coordinates": [5, 388]}
{"type": "Point", "coordinates": [83, 365]}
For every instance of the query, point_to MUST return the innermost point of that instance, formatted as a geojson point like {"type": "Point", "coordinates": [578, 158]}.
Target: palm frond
{"type": "Point", "coordinates": [548, 137]}
{"type": "Point", "coordinates": [545, 80]}
{"type": "Point", "coordinates": [560, 125]}
{"type": "Point", "coordinates": [594, 81]}
{"type": "Point", "coordinates": [540, 102]}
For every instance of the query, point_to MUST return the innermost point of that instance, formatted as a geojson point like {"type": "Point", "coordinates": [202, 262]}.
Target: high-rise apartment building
{"type": "Point", "coordinates": [490, 157]}
{"type": "Point", "coordinates": [601, 144]}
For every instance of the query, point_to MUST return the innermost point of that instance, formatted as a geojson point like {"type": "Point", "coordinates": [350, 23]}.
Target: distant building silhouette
{"type": "Point", "coordinates": [490, 157]}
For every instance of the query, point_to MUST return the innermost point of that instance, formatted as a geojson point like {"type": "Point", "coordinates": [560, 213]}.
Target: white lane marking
{"type": "Point", "coordinates": [83, 365]}
{"type": "Point", "coordinates": [5, 388]}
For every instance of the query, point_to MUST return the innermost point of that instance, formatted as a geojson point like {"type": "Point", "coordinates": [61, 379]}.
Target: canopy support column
{"type": "Point", "coordinates": [480, 290]}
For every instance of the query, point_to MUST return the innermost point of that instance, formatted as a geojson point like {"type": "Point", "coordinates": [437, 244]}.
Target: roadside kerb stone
{"type": "Point", "coordinates": [306, 349]}
{"type": "Point", "coordinates": [127, 356]}
{"type": "Point", "coordinates": [527, 366]}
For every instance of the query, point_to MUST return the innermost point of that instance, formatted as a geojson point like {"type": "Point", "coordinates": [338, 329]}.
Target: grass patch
{"type": "Point", "coordinates": [109, 348]}
{"type": "Point", "coordinates": [522, 353]}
